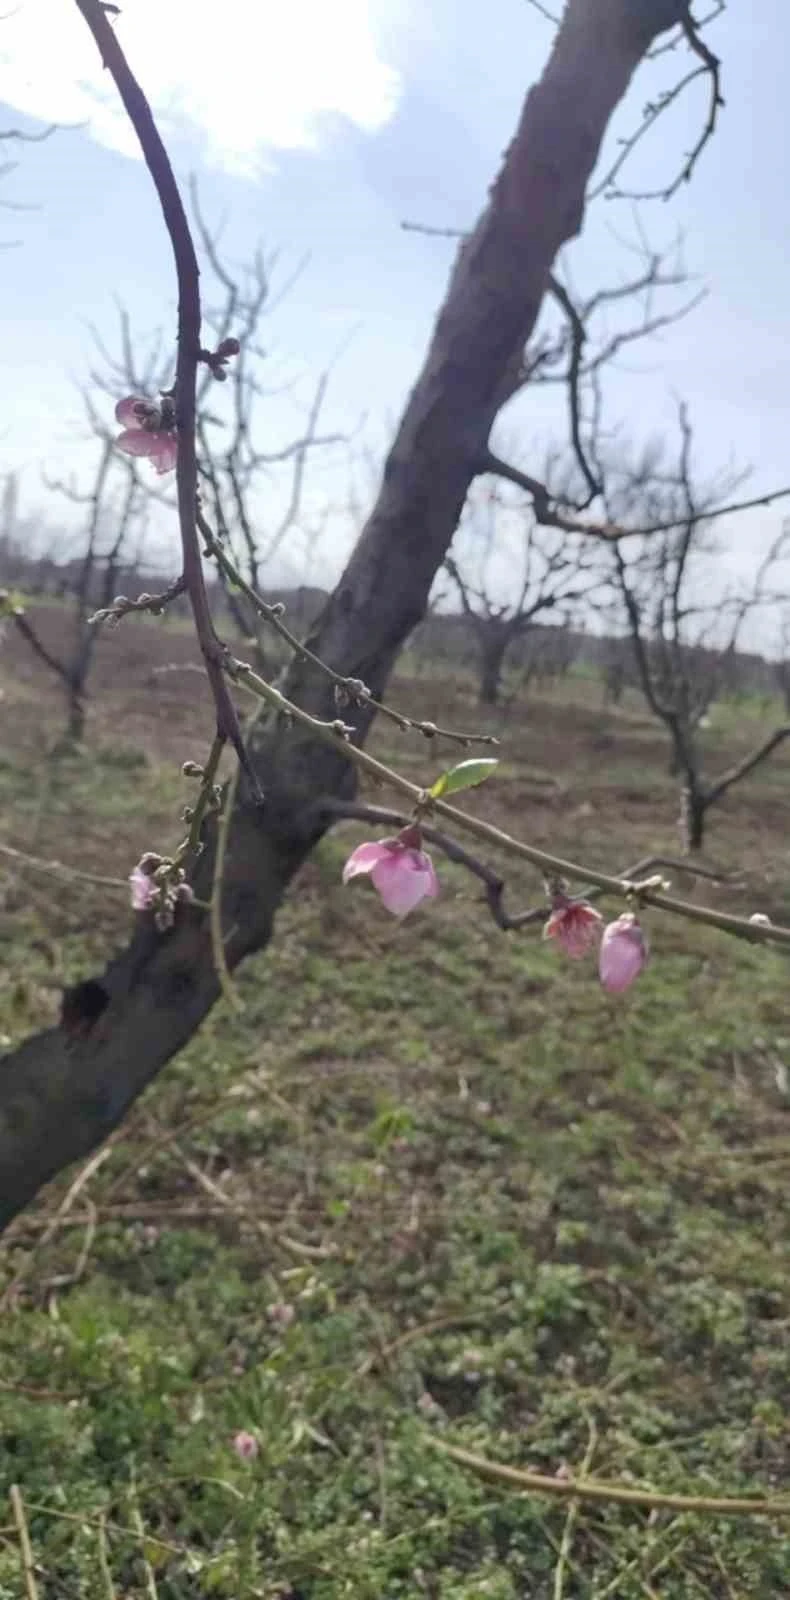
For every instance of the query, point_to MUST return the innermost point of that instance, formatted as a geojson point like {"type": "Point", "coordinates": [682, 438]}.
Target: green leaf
{"type": "Point", "coordinates": [465, 776]}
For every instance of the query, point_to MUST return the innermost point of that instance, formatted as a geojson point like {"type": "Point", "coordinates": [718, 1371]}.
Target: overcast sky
{"type": "Point", "coordinates": [317, 128]}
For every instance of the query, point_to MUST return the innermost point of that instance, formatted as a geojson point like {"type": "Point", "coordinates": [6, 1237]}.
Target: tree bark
{"type": "Point", "coordinates": [693, 806]}
{"type": "Point", "coordinates": [63, 1090]}
{"type": "Point", "coordinates": [494, 640]}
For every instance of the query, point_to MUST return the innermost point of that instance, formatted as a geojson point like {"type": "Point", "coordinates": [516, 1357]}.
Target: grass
{"type": "Point", "coordinates": [430, 1186]}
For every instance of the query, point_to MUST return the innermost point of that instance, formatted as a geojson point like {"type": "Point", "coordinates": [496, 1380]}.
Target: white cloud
{"type": "Point", "coordinates": [242, 75]}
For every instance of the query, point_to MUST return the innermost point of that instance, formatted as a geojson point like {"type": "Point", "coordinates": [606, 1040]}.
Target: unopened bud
{"type": "Point", "coordinates": [228, 347]}
{"type": "Point", "coordinates": [192, 769]}
{"type": "Point", "coordinates": [760, 920]}
{"type": "Point", "coordinates": [149, 863]}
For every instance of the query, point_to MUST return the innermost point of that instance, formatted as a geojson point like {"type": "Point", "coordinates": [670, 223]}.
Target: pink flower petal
{"type": "Point", "coordinates": [282, 1314]}
{"type": "Point", "coordinates": [126, 411]}
{"type": "Point", "coordinates": [402, 874]}
{"type": "Point", "coordinates": [404, 878]}
{"type": "Point", "coordinates": [136, 442]}
{"type": "Point", "coordinates": [432, 884]}
{"type": "Point", "coordinates": [623, 953]}
{"type": "Point", "coordinates": [246, 1446]}
{"type": "Point", "coordinates": [142, 889]}
{"type": "Point", "coordinates": [575, 925]}
{"type": "Point", "coordinates": [365, 858]}
{"type": "Point", "coordinates": [164, 453]}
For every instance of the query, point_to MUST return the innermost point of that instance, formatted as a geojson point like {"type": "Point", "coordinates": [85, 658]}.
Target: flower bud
{"type": "Point", "coordinates": [623, 953]}
{"type": "Point", "coordinates": [574, 924]}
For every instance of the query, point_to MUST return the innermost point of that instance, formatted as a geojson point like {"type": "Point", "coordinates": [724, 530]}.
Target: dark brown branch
{"type": "Point", "coordinates": [573, 377]}
{"type": "Point", "coordinates": [710, 68]}
{"type": "Point", "coordinates": [189, 346]}
{"type": "Point", "coordinates": [551, 516]}
{"type": "Point", "coordinates": [153, 603]}
{"type": "Point", "coordinates": [544, 12]}
{"type": "Point", "coordinates": [29, 138]}
{"type": "Point", "coordinates": [741, 769]}
{"type": "Point", "coordinates": [29, 634]}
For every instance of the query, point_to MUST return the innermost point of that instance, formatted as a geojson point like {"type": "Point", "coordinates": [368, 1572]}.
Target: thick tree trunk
{"type": "Point", "coordinates": [693, 807]}
{"type": "Point", "coordinates": [75, 726]}
{"type": "Point", "coordinates": [493, 648]}
{"type": "Point", "coordinates": [62, 1091]}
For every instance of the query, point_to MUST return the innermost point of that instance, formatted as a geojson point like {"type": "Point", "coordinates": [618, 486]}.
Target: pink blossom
{"type": "Point", "coordinates": [574, 924]}
{"type": "Point", "coordinates": [281, 1314]}
{"type": "Point", "coordinates": [623, 953]}
{"type": "Point", "coordinates": [246, 1446]}
{"type": "Point", "coordinates": [402, 873]}
{"type": "Point", "coordinates": [427, 1405]}
{"type": "Point", "coordinates": [164, 893]}
{"type": "Point", "coordinates": [149, 430]}
{"type": "Point", "coordinates": [143, 888]}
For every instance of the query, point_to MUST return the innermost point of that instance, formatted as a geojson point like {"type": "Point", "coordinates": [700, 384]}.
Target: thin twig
{"type": "Point", "coordinates": [26, 1549]}
{"type": "Point", "coordinates": [104, 1558]}
{"type": "Point", "coordinates": [549, 515]}
{"type": "Point", "coordinates": [578, 337]}
{"type": "Point", "coordinates": [63, 1280]}
{"type": "Point", "coordinates": [49, 1396]}
{"type": "Point", "coordinates": [593, 1489]}
{"type": "Point", "coordinates": [710, 68]}
{"type": "Point", "coordinates": [563, 1557]}
{"type": "Point", "coordinates": [84, 1176]}
{"type": "Point", "coordinates": [84, 1520]}
{"type": "Point", "coordinates": [154, 603]}
{"type": "Point", "coordinates": [226, 983]}
{"type": "Point", "coordinates": [59, 869]}
{"type": "Point", "coordinates": [352, 690]}
{"type": "Point", "coordinates": [295, 1247]}
{"type": "Point", "coordinates": [139, 1528]}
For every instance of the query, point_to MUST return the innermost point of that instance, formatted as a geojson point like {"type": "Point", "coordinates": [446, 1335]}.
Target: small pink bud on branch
{"type": "Point", "coordinates": [574, 924]}
{"type": "Point", "coordinates": [216, 360]}
{"type": "Point", "coordinates": [623, 953]}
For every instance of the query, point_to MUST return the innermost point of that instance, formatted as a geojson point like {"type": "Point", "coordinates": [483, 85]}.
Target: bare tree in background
{"type": "Point", "coordinates": [684, 627]}
{"type": "Point", "coordinates": [501, 549]}
{"type": "Point", "coordinates": [111, 513]}
{"type": "Point", "coordinates": [10, 139]}
{"type": "Point", "coordinates": [782, 664]}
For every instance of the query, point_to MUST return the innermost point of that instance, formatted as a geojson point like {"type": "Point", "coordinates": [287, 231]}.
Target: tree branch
{"type": "Point", "coordinates": [189, 346]}
{"type": "Point", "coordinates": [741, 769]}
{"type": "Point", "coordinates": [550, 516]}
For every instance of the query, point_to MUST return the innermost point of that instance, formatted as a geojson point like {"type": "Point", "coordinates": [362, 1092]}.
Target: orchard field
{"type": "Point", "coordinates": [430, 1187]}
